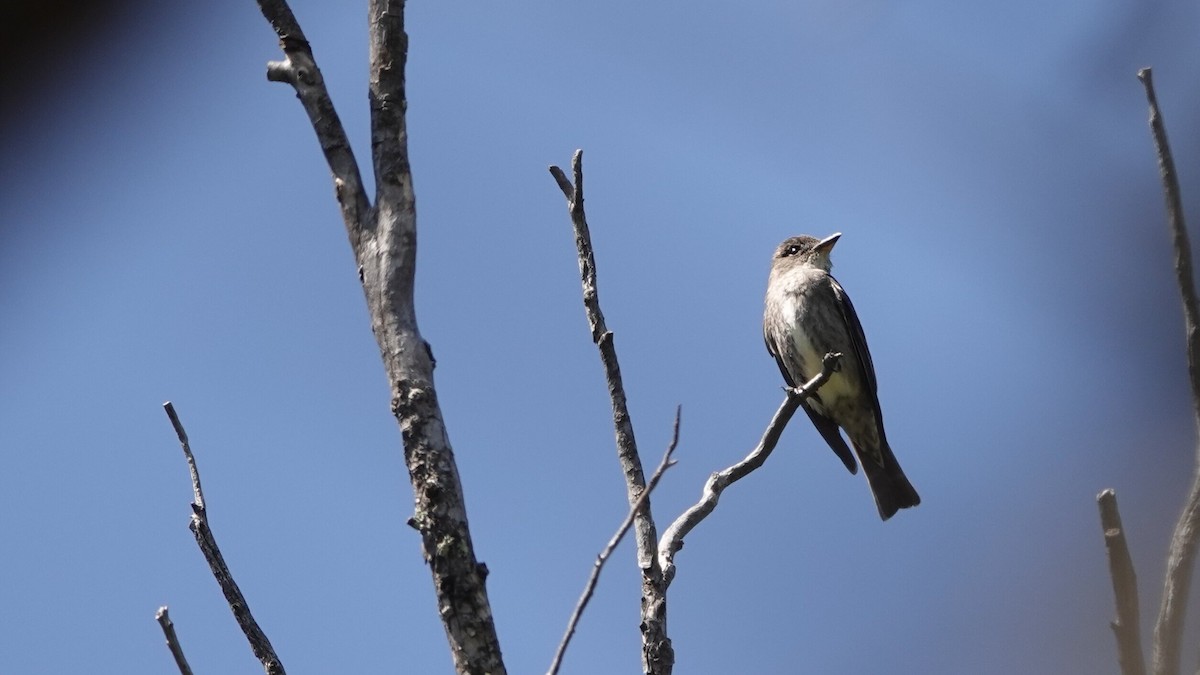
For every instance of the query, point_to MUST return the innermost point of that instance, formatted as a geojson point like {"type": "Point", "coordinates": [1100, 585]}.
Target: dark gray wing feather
{"type": "Point", "coordinates": [775, 351]}
{"type": "Point", "coordinates": [828, 429]}
{"type": "Point", "coordinates": [858, 341]}
{"type": "Point", "coordinates": [831, 434]}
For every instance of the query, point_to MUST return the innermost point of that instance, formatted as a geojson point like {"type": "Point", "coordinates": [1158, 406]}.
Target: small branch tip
{"type": "Point", "coordinates": [279, 71]}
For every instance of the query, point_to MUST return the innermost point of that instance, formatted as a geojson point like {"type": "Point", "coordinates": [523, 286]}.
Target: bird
{"type": "Point", "coordinates": [806, 315]}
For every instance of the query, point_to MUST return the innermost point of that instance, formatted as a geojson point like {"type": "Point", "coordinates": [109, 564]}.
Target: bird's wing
{"type": "Point", "coordinates": [827, 427]}
{"type": "Point", "coordinates": [829, 431]}
{"type": "Point", "coordinates": [858, 340]}
{"type": "Point", "coordinates": [777, 351]}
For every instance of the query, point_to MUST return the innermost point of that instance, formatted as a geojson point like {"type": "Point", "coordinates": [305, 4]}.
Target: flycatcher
{"type": "Point", "coordinates": [808, 315]}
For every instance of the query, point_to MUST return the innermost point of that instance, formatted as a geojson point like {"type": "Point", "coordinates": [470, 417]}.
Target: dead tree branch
{"type": "Point", "coordinates": [631, 463]}
{"type": "Point", "coordinates": [168, 629]}
{"type": "Point", "coordinates": [384, 240]}
{"type": "Point", "coordinates": [1126, 626]}
{"type": "Point", "coordinates": [259, 643]}
{"type": "Point", "coordinates": [672, 539]}
{"type": "Point", "coordinates": [658, 657]}
{"type": "Point", "coordinates": [300, 70]}
{"type": "Point", "coordinates": [601, 559]}
{"type": "Point", "coordinates": [1168, 632]}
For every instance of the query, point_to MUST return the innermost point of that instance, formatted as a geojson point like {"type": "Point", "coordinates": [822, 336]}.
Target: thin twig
{"type": "Point", "coordinates": [1126, 626]}
{"type": "Point", "coordinates": [658, 657]}
{"type": "Point", "coordinates": [197, 492]}
{"type": "Point", "coordinates": [631, 461]}
{"type": "Point", "coordinates": [672, 539]}
{"type": "Point", "coordinates": [259, 643]}
{"type": "Point", "coordinates": [1179, 238]}
{"type": "Point", "coordinates": [601, 559]}
{"type": "Point", "coordinates": [168, 629]}
{"type": "Point", "coordinates": [1168, 632]}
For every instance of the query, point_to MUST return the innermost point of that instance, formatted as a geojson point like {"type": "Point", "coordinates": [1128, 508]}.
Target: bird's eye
{"type": "Point", "coordinates": [792, 250]}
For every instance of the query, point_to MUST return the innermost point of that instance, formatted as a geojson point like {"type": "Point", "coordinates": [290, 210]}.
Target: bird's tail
{"type": "Point", "coordinates": [888, 483]}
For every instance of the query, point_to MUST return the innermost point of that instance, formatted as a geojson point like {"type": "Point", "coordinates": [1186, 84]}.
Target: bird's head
{"type": "Point", "coordinates": [805, 250]}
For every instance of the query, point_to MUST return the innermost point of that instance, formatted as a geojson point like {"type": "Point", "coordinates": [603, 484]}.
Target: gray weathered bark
{"type": "Point", "coordinates": [207, 541]}
{"type": "Point", "coordinates": [163, 617]}
{"type": "Point", "coordinates": [1168, 632]}
{"type": "Point", "coordinates": [383, 237]}
{"type": "Point", "coordinates": [658, 657]}
{"type": "Point", "coordinates": [672, 539]}
{"type": "Point", "coordinates": [1181, 559]}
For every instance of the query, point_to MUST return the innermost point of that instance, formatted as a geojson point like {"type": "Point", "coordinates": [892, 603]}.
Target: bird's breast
{"type": "Point", "coordinates": [814, 331]}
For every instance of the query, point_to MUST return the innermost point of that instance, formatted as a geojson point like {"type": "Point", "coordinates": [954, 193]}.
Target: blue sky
{"type": "Point", "coordinates": [169, 232]}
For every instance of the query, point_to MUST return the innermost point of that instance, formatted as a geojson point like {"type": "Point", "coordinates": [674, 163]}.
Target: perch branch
{"type": "Point", "coordinates": [259, 643]}
{"type": "Point", "coordinates": [168, 629]}
{"type": "Point", "coordinates": [1126, 626]}
{"type": "Point", "coordinates": [1168, 631]}
{"type": "Point", "coordinates": [601, 559]}
{"type": "Point", "coordinates": [384, 241]}
{"type": "Point", "coordinates": [672, 539]}
{"type": "Point", "coordinates": [657, 654]}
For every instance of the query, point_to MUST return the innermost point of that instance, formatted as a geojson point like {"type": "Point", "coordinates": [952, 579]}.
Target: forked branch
{"type": "Point", "coordinates": [601, 559]}
{"type": "Point", "coordinates": [383, 237]}
{"type": "Point", "coordinates": [672, 539]}
{"type": "Point", "coordinates": [658, 657]}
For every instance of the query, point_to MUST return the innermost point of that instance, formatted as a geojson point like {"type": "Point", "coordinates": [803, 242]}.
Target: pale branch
{"type": "Point", "coordinates": [1126, 626]}
{"type": "Point", "coordinates": [259, 643]}
{"type": "Point", "coordinates": [197, 491]}
{"type": "Point", "coordinates": [658, 657]}
{"type": "Point", "coordinates": [384, 241]}
{"type": "Point", "coordinates": [300, 70]}
{"type": "Point", "coordinates": [168, 629]}
{"type": "Point", "coordinates": [672, 539]}
{"type": "Point", "coordinates": [601, 559]}
{"type": "Point", "coordinates": [1168, 631]}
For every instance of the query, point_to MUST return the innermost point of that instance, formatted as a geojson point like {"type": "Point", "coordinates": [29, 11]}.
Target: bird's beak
{"type": "Point", "coordinates": [826, 244]}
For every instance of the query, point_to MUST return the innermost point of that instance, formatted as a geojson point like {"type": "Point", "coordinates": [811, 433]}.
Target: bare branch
{"type": "Point", "coordinates": [259, 643]}
{"type": "Point", "coordinates": [1179, 237]}
{"type": "Point", "coordinates": [168, 629]}
{"type": "Point", "coordinates": [384, 240]}
{"type": "Point", "coordinates": [657, 654]}
{"type": "Point", "coordinates": [197, 491]}
{"type": "Point", "coordinates": [601, 559]}
{"type": "Point", "coordinates": [300, 70]}
{"type": "Point", "coordinates": [631, 463]}
{"type": "Point", "coordinates": [672, 539]}
{"type": "Point", "coordinates": [1168, 632]}
{"type": "Point", "coordinates": [1126, 626]}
